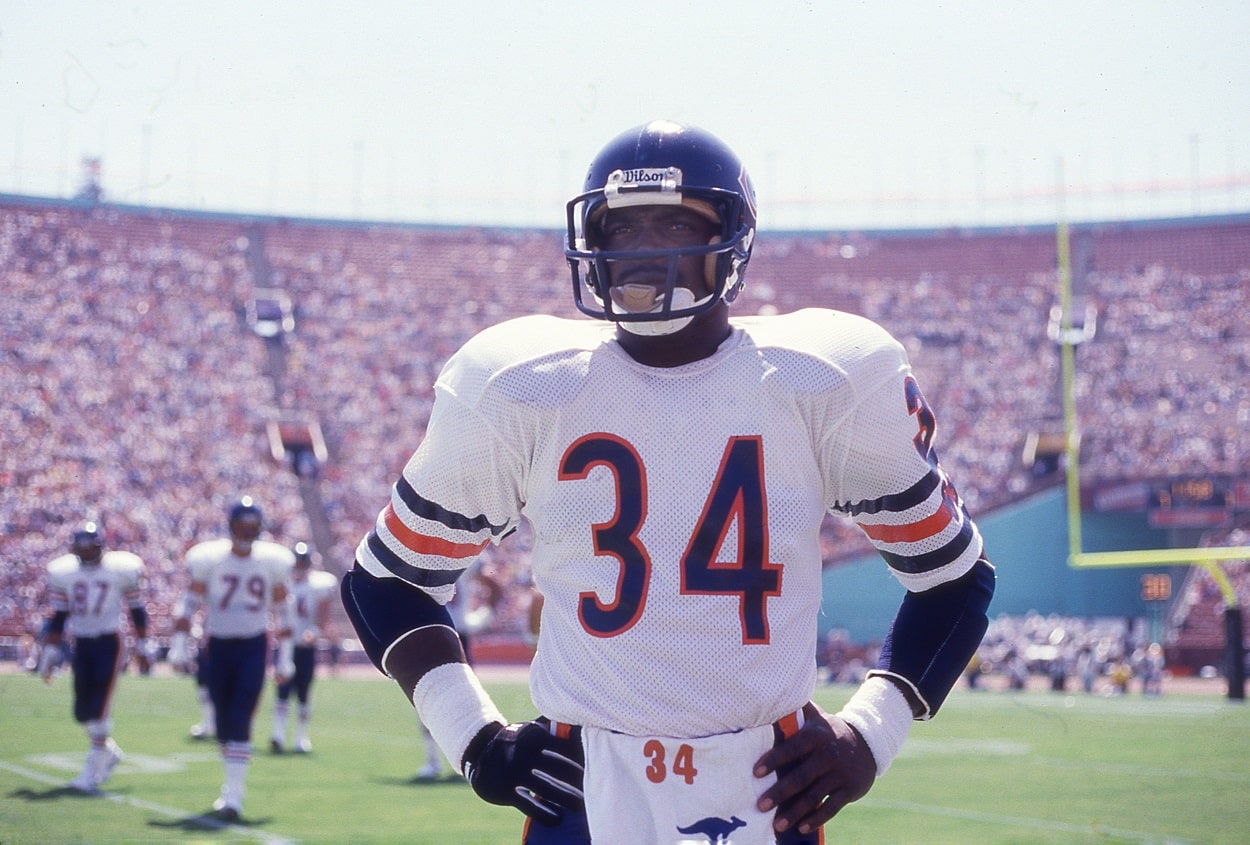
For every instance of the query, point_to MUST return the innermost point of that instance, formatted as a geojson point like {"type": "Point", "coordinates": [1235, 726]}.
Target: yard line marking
{"type": "Point", "coordinates": [169, 812]}
{"type": "Point", "coordinates": [1143, 771]}
{"type": "Point", "coordinates": [1017, 821]}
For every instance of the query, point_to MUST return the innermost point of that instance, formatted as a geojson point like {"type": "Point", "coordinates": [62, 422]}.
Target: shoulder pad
{"type": "Point", "coordinates": [62, 564]}
{"type": "Point", "coordinates": [120, 561]}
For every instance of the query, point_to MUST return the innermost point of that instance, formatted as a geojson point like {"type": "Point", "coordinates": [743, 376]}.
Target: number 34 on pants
{"type": "Point", "coordinates": [679, 763]}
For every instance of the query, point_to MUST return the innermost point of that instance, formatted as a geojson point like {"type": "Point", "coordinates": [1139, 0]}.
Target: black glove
{"type": "Point", "coordinates": [528, 767]}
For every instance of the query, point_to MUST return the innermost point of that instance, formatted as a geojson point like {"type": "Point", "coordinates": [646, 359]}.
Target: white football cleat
{"type": "Point", "coordinates": [105, 769]}
{"type": "Point", "coordinates": [85, 784]}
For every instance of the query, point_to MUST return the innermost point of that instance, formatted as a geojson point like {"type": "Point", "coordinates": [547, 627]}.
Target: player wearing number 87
{"type": "Point", "coordinates": [238, 583]}
{"type": "Point", "coordinates": [676, 465]}
{"type": "Point", "coordinates": [88, 590]}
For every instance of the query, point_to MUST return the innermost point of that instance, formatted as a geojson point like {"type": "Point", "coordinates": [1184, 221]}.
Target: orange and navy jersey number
{"type": "Point", "coordinates": [737, 496]}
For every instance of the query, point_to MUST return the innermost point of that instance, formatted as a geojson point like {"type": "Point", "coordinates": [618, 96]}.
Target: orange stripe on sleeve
{"type": "Point", "coordinates": [425, 544]}
{"type": "Point", "coordinates": [912, 531]}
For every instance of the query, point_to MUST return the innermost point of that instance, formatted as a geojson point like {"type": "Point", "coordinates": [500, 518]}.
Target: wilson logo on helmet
{"type": "Point", "coordinates": [643, 186]}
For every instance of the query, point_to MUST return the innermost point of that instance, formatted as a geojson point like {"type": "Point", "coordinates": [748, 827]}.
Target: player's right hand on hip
{"type": "Point", "coordinates": [526, 766]}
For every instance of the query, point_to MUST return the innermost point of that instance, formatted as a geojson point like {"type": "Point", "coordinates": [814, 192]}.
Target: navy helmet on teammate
{"type": "Point", "coordinates": [303, 556]}
{"type": "Point", "coordinates": [88, 544]}
{"type": "Point", "coordinates": [244, 519]}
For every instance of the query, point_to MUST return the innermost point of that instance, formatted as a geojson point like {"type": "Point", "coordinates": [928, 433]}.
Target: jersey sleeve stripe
{"type": "Point", "coordinates": [896, 502]}
{"type": "Point", "coordinates": [426, 509]}
{"type": "Point", "coordinates": [936, 559]}
{"type": "Point", "coordinates": [425, 544]}
{"type": "Point", "coordinates": [911, 532]}
{"type": "Point", "coordinates": [415, 575]}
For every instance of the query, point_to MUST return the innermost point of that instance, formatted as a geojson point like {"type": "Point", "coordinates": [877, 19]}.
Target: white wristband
{"type": "Point", "coordinates": [881, 714]}
{"type": "Point", "coordinates": [451, 702]}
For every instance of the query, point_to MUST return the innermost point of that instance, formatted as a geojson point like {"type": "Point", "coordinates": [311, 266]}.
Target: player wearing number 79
{"type": "Point", "coordinates": [240, 583]}
{"type": "Point", "coordinates": [676, 465]}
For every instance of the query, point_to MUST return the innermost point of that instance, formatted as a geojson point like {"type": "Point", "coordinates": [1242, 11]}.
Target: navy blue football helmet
{"type": "Point", "coordinates": [88, 544]}
{"type": "Point", "coordinates": [303, 556]}
{"type": "Point", "coordinates": [244, 507]}
{"type": "Point", "coordinates": [661, 163]}
{"type": "Point", "coordinates": [244, 519]}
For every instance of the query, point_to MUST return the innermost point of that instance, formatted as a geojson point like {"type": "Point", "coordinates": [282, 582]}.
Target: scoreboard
{"type": "Point", "coordinates": [1194, 493]}
{"type": "Point", "coordinates": [1196, 501]}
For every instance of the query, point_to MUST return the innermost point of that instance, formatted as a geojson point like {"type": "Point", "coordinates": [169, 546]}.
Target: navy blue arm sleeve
{"type": "Point", "coordinates": [935, 634]}
{"type": "Point", "coordinates": [382, 610]}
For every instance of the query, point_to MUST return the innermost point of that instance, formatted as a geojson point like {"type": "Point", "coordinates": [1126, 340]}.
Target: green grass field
{"type": "Point", "coordinates": [994, 767]}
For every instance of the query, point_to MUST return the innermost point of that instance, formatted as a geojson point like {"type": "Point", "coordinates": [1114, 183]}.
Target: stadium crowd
{"type": "Point", "coordinates": [135, 394]}
{"type": "Point", "coordinates": [130, 397]}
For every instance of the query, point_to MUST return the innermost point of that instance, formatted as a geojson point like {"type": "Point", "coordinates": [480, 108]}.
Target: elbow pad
{"type": "Point", "coordinates": [935, 634]}
{"type": "Point", "coordinates": [385, 610]}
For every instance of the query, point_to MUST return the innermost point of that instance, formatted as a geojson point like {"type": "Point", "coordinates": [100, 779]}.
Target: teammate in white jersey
{"type": "Point", "coordinates": [240, 583]}
{"type": "Point", "coordinates": [88, 590]}
{"type": "Point", "coordinates": [311, 592]}
{"type": "Point", "coordinates": [676, 466]}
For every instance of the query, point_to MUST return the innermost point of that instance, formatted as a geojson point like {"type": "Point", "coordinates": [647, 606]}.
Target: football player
{"type": "Point", "coordinates": [88, 589]}
{"type": "Point", "coordinates": [239, 582]}
{"type": "Point", "coordinates": [676, 465]}
{"type": "Point", "coordinates": [310, 594]}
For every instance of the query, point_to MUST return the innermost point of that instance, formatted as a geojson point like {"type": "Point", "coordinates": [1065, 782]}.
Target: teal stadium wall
{"type": "Point", "coordinates": [1028, 545]}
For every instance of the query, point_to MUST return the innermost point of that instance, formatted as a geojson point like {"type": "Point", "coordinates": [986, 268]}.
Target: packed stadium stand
{"type": "Point", "coordinates": [137, 392]}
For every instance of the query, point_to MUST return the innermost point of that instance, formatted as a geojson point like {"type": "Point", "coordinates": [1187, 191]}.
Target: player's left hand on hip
{"type": "Point", "coordinates": [822, 768]}
{"type": "Point", "coordinates": [528, 767]}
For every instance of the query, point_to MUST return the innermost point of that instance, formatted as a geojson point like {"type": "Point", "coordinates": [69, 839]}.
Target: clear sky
{"type": "Point", "coordinates": [847, 113]}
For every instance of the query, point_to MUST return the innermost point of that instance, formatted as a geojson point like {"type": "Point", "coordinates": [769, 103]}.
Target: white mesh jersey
{"type": "Point", "coordinates": [305, 595]}
{"type": "Point", "coordinates": [238, 590]}
{"type": "Point", "coordinates": [95, 596]}
{"type": "Point", "coordinates": [676, 512]}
